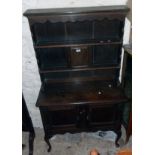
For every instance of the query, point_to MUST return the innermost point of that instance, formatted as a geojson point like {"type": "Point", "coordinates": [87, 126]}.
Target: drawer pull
{"type": "Point", "coordinates": [110, 86]}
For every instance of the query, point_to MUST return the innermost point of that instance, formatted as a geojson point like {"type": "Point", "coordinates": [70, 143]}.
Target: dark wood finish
{"type": "Point", "coordinates": [49, 45]}
{"type": "Point", "coordinates": [78, 52]}
{"type": "Point", "coordinates": [129, 129]}
{"type": "Point", "coordinates": [77, 10]}
{"type": "Point", "coordinates": [27, 125]}
{"type": "Point", "coordinates": [80, 56]}
{"type": "Point", "coordinates": [127, 84]}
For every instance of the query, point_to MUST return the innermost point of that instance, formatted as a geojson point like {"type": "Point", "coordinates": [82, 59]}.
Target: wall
{"type": "Point", "coordinates": [30, 79]}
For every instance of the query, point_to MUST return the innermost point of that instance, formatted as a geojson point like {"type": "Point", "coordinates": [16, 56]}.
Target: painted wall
{"type": "Point", "coordinates": [30, 79]}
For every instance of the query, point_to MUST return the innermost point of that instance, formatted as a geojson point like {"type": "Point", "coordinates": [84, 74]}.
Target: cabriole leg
{"type": "Point", "coordinates": [119, 133]}
{"type": "Point", "coordinates": [48, 143]}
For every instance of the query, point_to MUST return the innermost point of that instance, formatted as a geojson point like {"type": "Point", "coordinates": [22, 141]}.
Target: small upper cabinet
{"type": "Point", "coordinates": [80, 56]}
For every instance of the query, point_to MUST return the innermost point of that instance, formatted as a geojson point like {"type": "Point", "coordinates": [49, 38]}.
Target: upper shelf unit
{"type": "Point", "coordinates": [77, 25]}
{"type": "Point", "coordinates": [77, 32]}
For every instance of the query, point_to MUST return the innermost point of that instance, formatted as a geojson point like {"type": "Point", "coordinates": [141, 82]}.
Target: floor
{"type": "Point", "coordinates": [75, 144]}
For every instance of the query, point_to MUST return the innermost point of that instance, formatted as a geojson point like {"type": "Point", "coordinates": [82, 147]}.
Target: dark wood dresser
{"type": "Point", "coordinates": [78, 51]}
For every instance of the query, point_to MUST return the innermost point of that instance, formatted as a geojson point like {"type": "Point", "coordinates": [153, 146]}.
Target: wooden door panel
{"type": "Point", "coordinates": [100, 115]}
{"type": "Point", "coordinates": [80, 56]}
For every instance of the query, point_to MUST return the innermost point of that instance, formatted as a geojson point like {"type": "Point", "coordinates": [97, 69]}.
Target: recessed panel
{"type": "Point", "coordinates": [106, 55]}
{"type": "Point", "coordinates": [108, 30]}
{"type": "Point", "coordinates": [79, 31]}
{"type": "Point", "coordinates": [49, 32]}
{"type": "Point", "coordinates": [52, 58]}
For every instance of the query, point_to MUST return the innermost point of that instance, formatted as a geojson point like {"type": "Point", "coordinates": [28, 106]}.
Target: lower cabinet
{"type": "Point", "coordinates": [76, 118]}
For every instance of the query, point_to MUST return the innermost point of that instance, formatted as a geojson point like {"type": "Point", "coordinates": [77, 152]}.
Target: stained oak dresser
{"type": "Point", "coordinates": [78, 51]}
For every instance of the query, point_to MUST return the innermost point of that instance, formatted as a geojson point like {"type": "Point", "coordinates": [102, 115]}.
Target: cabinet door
{"type": "Point", "coordinates": [60, 116]}
{"type": "Point", "coordinates": [82, 114]}
{"type": "Point", "coordinates": [100, 115]}
{"type": "Point", "coordinates": [80, 56]}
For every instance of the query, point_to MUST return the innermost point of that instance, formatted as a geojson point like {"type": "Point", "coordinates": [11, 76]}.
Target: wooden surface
{"type": "Point", "coordinates": [58, 11]}
{"type": "Point", "coordinates": [104, 96]}
{"type": "Point", "coordinates": [78, 52]}
{"type": "Point", "coordinates": [127, 84]}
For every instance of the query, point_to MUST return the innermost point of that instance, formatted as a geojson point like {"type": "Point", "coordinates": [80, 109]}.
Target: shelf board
{"type": "Point", "coordinates": [78, 69]}
{"type": "Point", "coordinates": [76, 44]}
{"type": "Point", "coordinates": [78, 80]}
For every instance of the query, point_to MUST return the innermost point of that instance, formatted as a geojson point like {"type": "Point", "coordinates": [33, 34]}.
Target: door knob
{"type": "Point", "coordinates": [78, 50]}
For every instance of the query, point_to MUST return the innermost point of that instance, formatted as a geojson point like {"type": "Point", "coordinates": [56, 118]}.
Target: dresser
{"type": "Point", "coordinates": [78, 51]}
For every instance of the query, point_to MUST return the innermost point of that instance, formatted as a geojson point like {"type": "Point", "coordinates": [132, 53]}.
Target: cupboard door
{"type": "Point", "coordinates": [80, 56]}
{"type": "Point", "coordinates": [59, 116]}
{"type": "Point", "coordinates": [100, 115]}
{"type": "Point", "coordinates": [82, 113]}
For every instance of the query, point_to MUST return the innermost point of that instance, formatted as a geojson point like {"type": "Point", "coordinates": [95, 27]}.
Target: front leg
{"type": "Point", "coordinates": [31, 140]}
{"type": "Point", "coordinates": [48, 143]}
{"type": "Point", "coordinates": [119, 133]}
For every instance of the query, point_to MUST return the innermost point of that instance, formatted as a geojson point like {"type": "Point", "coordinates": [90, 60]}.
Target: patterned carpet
{"type": "Point", "coordinates": [74, 144]}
